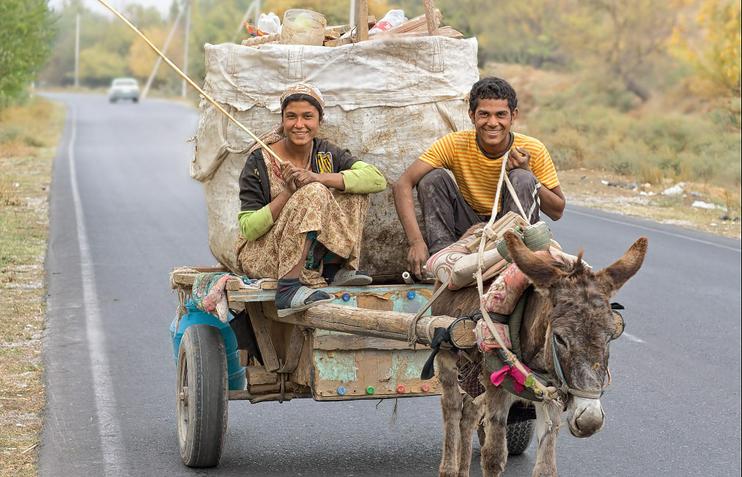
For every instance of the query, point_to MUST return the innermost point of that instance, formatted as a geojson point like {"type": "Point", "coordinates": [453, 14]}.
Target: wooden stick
{"type": "Point", "coordinates": [361, 20]}
{"type": "Point", "coordinates": [430, 16]}
{"type": "Point", "coordinates": [189, 80]}
{"type": "Point", "coordinates": [381, 324]}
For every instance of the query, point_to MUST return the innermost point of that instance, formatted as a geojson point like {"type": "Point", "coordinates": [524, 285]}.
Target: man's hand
{"type": "Point", "coordinates": [416, 258]}
{"type": "Point", "coordinates": [519, 158]}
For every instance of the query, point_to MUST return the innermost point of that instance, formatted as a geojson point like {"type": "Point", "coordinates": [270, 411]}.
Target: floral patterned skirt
{"type": "Point", "coordinates": [337, 219]}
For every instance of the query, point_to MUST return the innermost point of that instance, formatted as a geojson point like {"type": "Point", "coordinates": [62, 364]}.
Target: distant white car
{"type": "Point", "coordinates": [123, 88]}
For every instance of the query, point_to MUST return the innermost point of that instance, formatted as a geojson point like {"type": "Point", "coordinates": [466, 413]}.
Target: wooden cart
{"type": "Point", "coordinates": [354, 348]}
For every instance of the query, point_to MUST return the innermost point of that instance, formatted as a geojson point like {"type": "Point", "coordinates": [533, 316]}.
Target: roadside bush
{"type": "Point", "coordinates": [703, 147]}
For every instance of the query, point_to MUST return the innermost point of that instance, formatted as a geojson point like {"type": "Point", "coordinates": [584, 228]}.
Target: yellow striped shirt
{"type": "Point", "coordinates": [476, 174]}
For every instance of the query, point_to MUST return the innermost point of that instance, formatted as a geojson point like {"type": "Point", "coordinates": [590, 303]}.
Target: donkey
{"type": "Point", "coordinates": [568, 316]}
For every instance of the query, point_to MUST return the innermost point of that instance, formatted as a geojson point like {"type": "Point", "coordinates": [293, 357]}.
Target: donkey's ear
{"type": "Point", "coordinates": [537, 268]}
{"type": "Point", "coordinates": [614, 276]}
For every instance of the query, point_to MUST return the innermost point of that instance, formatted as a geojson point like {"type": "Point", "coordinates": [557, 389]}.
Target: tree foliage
{"type": "Point", "coordinates": [709, 41]}
{"type": "Point", "coordinates": [625, 49]}
{"type": "Point", "coordinates": [26, 33]}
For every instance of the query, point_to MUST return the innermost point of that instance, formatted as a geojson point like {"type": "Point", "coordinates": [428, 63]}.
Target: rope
{"type": "Point", "coordinates": [505, 354]}
{"type": "Point", "coordinates": [189, 80]}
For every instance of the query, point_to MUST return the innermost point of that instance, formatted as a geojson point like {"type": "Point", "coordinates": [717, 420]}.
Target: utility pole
{"type": "Point", "coordinates": [170, 35]}
{"type": "Point", "coordinates": [185, 46]}
{"type": "Point", "coordinates": [77, 50]}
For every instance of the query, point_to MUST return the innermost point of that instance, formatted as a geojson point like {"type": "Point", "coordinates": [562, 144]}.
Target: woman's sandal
{"type": "Point", "coordinates": [304, 297]}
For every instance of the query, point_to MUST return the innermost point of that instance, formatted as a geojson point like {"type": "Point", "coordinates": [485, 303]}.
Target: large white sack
{"type": "Point", "coordinates": [386, 101]}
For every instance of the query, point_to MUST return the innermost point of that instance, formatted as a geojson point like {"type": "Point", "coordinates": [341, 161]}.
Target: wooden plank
{"type": "Point", "coordinates": [244, 357]}
{"type": "Point", "coordinates": [296, 343]}
{"type": "Point", "coordinates": [417, 24]}
{"type": "Point", "coordinates": [430, 16]}
{"type": "Point", "coordinates": [263, 336]}
{"type": "Point", "coordinates": [392, 373]}
{"type": "Point", "coordinates": [347, 342]}
{"type": "Point", "coordinates": [339, 42]}
{"type": "Point", "coordinates": [379, 324]}
{"type": "Point", "coordinates": [259, 375]}
{"type": "Point", "coordinates": [374, 302]}
{"type": "Point", "coordinates": [361, 16]}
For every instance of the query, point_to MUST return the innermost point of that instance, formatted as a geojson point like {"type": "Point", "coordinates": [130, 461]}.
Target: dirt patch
{"type": "Point", "coordinates": [691, 205]}
{"type": "Point", "coordinates": [28, 138]}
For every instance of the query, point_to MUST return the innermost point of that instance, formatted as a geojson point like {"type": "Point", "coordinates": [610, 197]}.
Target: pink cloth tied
{"type": "Point", "coordinates": [519, 379]}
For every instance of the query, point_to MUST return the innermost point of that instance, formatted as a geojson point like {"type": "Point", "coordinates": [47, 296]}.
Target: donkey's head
{"type": "Point", "coordinates": [580, 325]}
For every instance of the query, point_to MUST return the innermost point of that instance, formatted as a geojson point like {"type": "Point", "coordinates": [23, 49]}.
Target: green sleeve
{"type": "Point", "coordinates": [255, 223]}
{"type": "Point", "coordinates": [363, 178]}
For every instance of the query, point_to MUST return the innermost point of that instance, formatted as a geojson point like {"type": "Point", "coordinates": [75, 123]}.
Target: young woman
{"type": "Point", "coordinates": [301, 221]}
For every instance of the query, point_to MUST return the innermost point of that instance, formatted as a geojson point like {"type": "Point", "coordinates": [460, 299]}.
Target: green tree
{"type": "Point", "coordinates": [710, 42]}
{"type": "Point", "coordinates": [26, 33]}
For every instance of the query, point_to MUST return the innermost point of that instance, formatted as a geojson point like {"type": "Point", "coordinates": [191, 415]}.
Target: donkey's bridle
{"type": "Point", "coordinates": [564, 388]}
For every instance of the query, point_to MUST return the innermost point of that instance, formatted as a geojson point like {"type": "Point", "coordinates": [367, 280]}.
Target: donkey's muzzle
{"type": "Point", "coordinates": [586, 417]}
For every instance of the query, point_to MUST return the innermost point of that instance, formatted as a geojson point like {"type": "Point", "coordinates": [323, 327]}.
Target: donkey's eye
{"type": "Point", "coordinates": [560, 341]}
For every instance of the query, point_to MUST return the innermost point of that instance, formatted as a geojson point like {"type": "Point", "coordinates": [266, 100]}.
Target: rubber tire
{"type": "Point", "coordinates": [518, 434]}
{"type": "Point", "coordinates": [202, 415]}
{"type": "Point", "coordinates": [135, 100]}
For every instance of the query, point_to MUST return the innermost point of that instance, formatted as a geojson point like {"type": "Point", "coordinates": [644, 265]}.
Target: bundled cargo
{"type": "Point", "coordinates": [385, 100]}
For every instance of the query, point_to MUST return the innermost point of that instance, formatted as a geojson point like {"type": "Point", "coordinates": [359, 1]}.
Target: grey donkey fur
{"type": "Point", "coordinates": [571, 302]}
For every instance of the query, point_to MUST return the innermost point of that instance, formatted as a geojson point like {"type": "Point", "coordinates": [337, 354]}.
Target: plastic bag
{"type": "Point", "coordinates": [269, 23]}
{"type": "Point", "coordinates": [392, 19]}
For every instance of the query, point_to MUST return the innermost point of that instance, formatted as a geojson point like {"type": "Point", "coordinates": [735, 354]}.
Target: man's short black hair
{"type": "Point", "coordinates": [492, 88]}
{"type": "Point", "coordinates": [302, 97]}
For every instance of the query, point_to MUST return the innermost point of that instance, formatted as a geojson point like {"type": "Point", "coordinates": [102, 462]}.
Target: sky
{"type": "Point", "coordinates": [94, 5]}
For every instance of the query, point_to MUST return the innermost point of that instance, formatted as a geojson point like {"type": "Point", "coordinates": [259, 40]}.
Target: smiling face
{"type": "Point", "coordinates": [300, 122]}
{"type": "Point", "coordinates": [493, 120]}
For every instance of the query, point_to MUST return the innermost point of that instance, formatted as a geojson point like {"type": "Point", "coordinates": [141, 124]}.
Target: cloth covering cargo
{"type": "Point", "coordinates": [385, 100]}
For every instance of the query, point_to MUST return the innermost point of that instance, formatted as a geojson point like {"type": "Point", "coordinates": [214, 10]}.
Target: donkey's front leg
{"type": "Point", "coordinates": [470, 419]}
{"type": "Point", "coordinates": [495, 449]}
{"type": "Point", "coordinates": [451, 408]}
{"type": "Point", "coordinates": [548, 416]}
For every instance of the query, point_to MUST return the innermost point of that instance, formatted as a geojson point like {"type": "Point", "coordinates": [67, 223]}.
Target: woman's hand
{"type": "Point", "coordinates": [288, 174]}
{"type": "Point", "coordinates": [304, 177]}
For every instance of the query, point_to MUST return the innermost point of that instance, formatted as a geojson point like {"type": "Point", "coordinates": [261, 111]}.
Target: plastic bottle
{"type": "Point", "coordinates": [392, 19]}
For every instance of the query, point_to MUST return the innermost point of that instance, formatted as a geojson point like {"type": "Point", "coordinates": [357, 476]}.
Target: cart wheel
{"type": "Point", "coordinates": [518, 436]}
{"type": "Point", "coordinates": [202, 396]}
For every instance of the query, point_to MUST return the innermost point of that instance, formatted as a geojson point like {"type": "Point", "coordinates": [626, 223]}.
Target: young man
{"type": "Point", "coordinates": [474, 157]}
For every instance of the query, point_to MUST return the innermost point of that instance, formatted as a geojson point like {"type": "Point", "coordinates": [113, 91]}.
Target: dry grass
{"type": "Point", "coordinates": [28, 136]}
{"type": "Point", "coordinates": [587, 188]}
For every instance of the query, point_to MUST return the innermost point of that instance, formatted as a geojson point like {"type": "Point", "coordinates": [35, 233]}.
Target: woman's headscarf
{"type": "Point", "coordinates": [303, 88]}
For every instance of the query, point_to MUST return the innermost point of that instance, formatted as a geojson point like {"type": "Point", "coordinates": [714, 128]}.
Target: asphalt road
{"type": "Point", "coordinates": [124, 212]}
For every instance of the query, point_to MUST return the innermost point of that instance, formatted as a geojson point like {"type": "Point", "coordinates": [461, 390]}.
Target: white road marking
{"type": "Point", "coordinates": [109, 431]}
{"type": "Point", "coordinates": [633, 338]}
{"type": "Point", "coordinates": [651, 229]}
